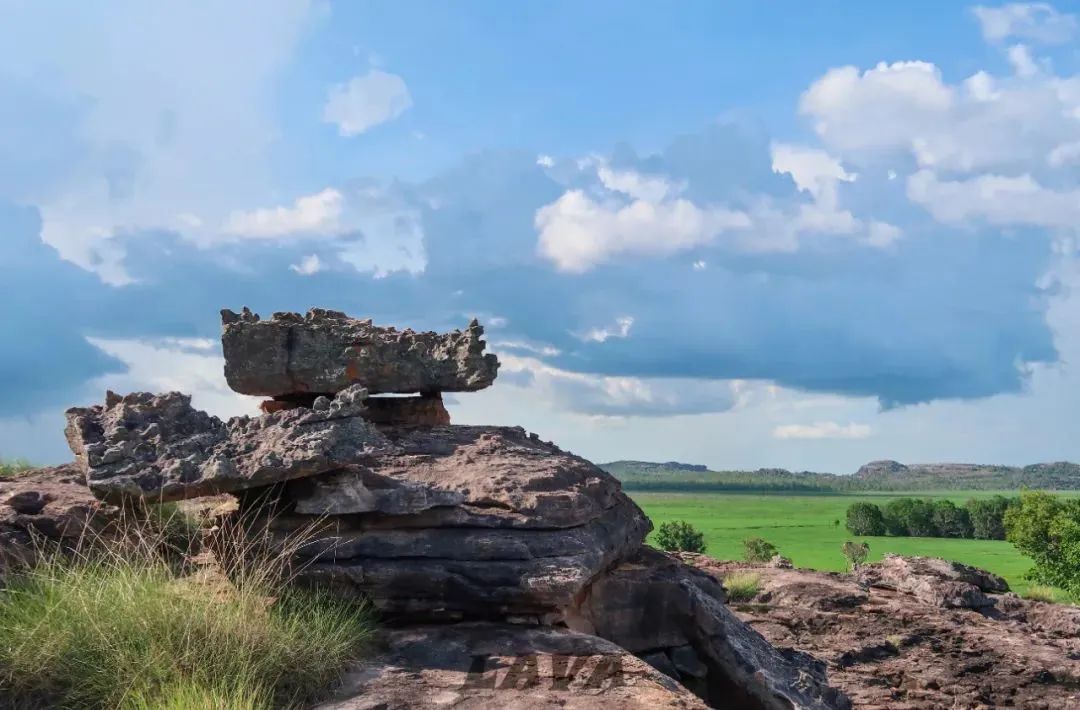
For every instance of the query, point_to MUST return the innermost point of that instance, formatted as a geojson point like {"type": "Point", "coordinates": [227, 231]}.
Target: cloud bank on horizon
{"type": "Point", "coordinates": [889, 272]}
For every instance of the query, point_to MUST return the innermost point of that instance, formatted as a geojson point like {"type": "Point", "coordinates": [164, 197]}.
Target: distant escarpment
{"type": "Point", "coordinates": [882, 475]}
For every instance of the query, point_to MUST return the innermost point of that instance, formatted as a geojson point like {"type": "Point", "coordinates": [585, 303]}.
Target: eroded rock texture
{"type": "Point", "coordinates": [326, 351]}
{"type": "Point", "coordinates": [160, 448]}
{"type": "Point", "coordinates": [896, 647]}
{"type": "Point", "coordinates": [462, 521]}
{"type": "Point", "coordinates": [935, 581]}
{"type": "Point", "coordinates": [484, 666]}
{"type": "Point", "coordinates": [675, 617]}
{"type": "Point", "coordinates": [49, 510]}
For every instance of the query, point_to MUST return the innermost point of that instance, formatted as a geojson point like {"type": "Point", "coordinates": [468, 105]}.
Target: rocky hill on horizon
{"type": "Point", "coordinates": [879, 475]}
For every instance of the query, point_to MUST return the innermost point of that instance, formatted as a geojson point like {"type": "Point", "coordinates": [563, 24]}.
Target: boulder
{"type": "Point", "coordinates": [326, 351]}
{"type": "Point", "coordinates": [47, 510]}
{"type": "Point", "coordinates": [653, 601]}
{"type": "Point", "coordinates": [485, 666]}
{"type": "Point", "coordinates": [934, 581]}
{"type": "Point", "coordinates": [158, 447]}
{"type": "Point", "coordinates": [456, 522]}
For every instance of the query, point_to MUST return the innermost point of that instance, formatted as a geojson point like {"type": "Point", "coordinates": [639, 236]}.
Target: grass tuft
{"type": "Point", "coordinates": [131, 629]}
{"type": "Point", "coordinates": [1041, 593]}
{"type": "Point", "coordinates": [9, 467]}
{"type": "Point", "coordinates": [742, 586]}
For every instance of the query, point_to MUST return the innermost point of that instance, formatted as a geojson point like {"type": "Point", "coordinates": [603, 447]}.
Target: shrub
{"type": "Point", "coordinates": [987, 516]}
{"type": "Point", "coordinates": [756, 549]}
{"type": "Point", "coordinates": [855, 553]}
{"type": "Point", "coordinates": [865, 519]}
{"type": "Point", "coordinates": [742, 586]}
{"type": "Point", "coordinates": [1040, 593]}
{"type": "Point", "coordinates": [680, 536]}
{"type": "Point", "coordinates": [949, 520]}
{"type": "Point", "coordinates": [127, 629]}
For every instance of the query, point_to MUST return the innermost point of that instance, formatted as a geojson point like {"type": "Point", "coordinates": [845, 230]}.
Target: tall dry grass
{"type": "Point", "coordinates": [133, 625]}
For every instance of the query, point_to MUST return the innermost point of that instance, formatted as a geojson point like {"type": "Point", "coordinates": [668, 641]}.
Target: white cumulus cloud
{"type": "Point", "coordinates": [1035, 21]}
{"type": "Point", "coordinates": [307, 215]}
{"type": "Point", "coordinates": [365, 101]}
{"type": "Point", "coordinates": [308, 266]}
{"type": "Point", "coordinates": [619, 329]}
{"type": "Point", "coordinates": [821, 430]}
{"type": "Point", "coordinates": [578, 232]}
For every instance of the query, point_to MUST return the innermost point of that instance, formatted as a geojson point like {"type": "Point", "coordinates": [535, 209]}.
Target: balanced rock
{"type": "Point", "coordinates": [326, 351]}
{"type": "Point", "coordinates": [161, 448]}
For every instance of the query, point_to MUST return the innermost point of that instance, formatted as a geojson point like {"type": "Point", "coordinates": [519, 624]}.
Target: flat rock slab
{"type": "Point", "coordinates": [473, 572]}
{"type": "Point", "coordinates": [465, 475]}
{"type": "Point", "coordinates": [158, 447]}
{"type": "Point", "coordinates": [482, 666]}
{"type": "Point", "coordinates": [935, 581]}
{"type": "Point", "coordinates": [326, 351]}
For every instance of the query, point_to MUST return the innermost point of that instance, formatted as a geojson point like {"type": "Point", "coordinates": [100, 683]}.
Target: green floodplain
{"type": "Point", "coordinates": [809, 528]}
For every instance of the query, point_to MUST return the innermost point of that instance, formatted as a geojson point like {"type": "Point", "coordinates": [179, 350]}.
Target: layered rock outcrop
{"type": "Point", "coordinates": [526, 550]}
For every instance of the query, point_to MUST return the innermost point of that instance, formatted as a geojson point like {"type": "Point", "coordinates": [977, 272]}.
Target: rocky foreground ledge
{"type": "Point", "coordinates": [917, 633]}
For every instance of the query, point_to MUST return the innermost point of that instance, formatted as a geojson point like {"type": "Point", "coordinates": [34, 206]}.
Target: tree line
{"type": "Point", "coordinates": [979, 518]}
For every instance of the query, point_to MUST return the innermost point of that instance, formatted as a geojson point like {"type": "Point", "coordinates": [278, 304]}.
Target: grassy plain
{"type": "Point", "coordinates": [809, 528]}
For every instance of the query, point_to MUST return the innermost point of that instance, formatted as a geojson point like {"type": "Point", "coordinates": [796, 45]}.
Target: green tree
{"type": "Point", "coordinates": [756, 549]}
{"type": "Point", "coordinates": [680, 536]}
{"type": "Point", "coordinates": [865, 519]}
{"type": "Point", "coordinates": [950, 520]}
{"type": "Point", "coordinates": [1047, 529]}
{"type": "Point", "coordinates": [988, 516]}
{"type": "Point", "coordinates": [855, 553]}
{"type": "Point", "coordinates": [910, 516]}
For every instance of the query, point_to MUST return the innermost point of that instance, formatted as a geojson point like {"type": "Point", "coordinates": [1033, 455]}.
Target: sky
{"type": "Point", "coordinates": [800, 235]}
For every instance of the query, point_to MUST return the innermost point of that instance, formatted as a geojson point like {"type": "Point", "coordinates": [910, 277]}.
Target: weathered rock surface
{"type": "Point", "coordinates": [888, 647]}
{"type": "Point", "coordinates": [426, 411]}
{"type": "Point", "coordinates": [499, 476]}
{"type": "Point", "coordinates": [50, 509]}
{"type": "Point", "coordinates": [482, 666]}
{"type": "Point", "coordinates": [935, 581]}
{"type": "Point", "coordinates": [653, 602]}
{"type": "Point", "coordinates": [159, 447]}
{"type": "Point", "coordinates": [461, 521]}
{"type": "Point", "coordinates": [326, 351]}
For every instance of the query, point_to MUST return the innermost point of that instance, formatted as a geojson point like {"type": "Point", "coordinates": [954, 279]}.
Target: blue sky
{"type": "Point", "coordinates": [741, 234]}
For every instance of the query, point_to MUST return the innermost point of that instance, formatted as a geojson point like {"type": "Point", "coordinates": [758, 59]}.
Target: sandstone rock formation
{"type": "Point", "coordinates": [935, 581]}
{"type": "Point", "coordinates": [520, 549]}
{"type": "Point", "coordinates": [50, 509]}
{"type": "Point", "coordinates": [326, 351]}
{"type": "Point", "coordinates": [160, 447]}
{"type": "Point", "coordinates": [898, 647]}
{"type": "Point", "coordinates": [485, 666]}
